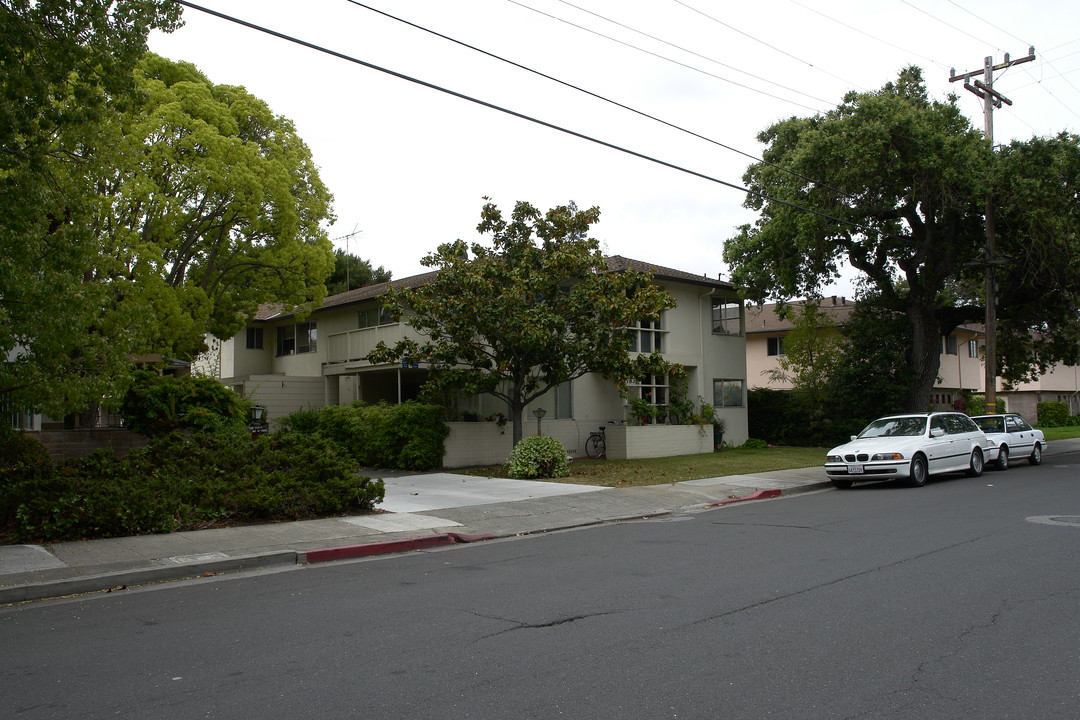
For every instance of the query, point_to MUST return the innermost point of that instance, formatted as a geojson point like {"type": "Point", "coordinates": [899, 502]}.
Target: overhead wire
{"type": "Point", "coordinates": [676, 62]}
{"type": "Point", "coordinates": [761, 42]}
{"type": "Point", "coordinates": [522, 116]}
{"type": "Point", "coordinates": [597, 96]}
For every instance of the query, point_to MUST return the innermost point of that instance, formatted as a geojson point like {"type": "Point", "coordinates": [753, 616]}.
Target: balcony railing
{"type": "Point", "coordinates": [356, 344]}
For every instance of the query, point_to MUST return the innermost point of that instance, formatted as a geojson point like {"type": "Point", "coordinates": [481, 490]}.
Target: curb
{"type": "Point", "coordinates": [143, 576]}
{"type": "Point", "coordinates": [385, 546]}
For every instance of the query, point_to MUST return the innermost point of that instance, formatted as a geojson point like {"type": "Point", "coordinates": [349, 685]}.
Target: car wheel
{"type": "Point", "coordinates": [917, 477]}
{"type": "Point", "coordinates": [1003, 458]}
{"type": "Point", "coordinates": [842, 484]}
{"type": "Point", "coordinates": [975, 468]}
{"type": "Point", "coordinates": [1036, 455]}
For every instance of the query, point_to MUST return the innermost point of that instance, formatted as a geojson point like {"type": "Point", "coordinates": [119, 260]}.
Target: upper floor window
{"type": "Point", "coordinates": [950, 344]}
{"type": "Point", "coordinates": [726, 317]}
{"type": "Point", "coordinates": [373, 317]}
{"type": "Point", "coordinates": [299, 338]}
{"type": "Point", "coordinates": [776, 346]}
{"type": "Point", "coordinates": [254, 338]}
{"type": "Point", "coordinates": [647, 337]}
{"type": "Point", "coordinates": [973, 348]}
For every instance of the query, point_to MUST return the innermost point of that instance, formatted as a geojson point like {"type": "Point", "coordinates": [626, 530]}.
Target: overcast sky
{"type": "Point", "coordinates": [409, 166]}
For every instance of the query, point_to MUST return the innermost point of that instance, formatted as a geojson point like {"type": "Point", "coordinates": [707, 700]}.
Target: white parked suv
{"type": "Point", "coordinates": [912, 446]}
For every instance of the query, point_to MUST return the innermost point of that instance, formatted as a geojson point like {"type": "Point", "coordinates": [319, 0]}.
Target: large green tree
{"type": "Point", "coordinates": [1037, 223]}
{"type": "Point", "coordinates": [212, 206]}
{"type": "Point", "coordinates": [895, 185]}
{"type": "Point", "coordinates": [65, 67]}
{"type": "Point", "coordinates": [534, 308]}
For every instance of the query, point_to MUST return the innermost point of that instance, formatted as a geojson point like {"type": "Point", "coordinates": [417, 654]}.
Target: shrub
{"type": "Point", "coordinates": [24, 462]}
{"type": "Point", "coordinates": [538, 456]}
{"type": "Point", "coordinates": [159, 404]}
{"type": "Point", "coordinates": [754, 444]}
{"type": "Point", "coordinates": [1053, 413]}
{"type": "Point", "coordinates": [408, 436]}
{"type": "Point", "coordinates": [182, 481]}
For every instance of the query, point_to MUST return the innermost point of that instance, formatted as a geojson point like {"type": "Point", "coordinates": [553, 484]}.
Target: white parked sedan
{"type": "Point", "coordinates": [912, 447]}
{"type": "Point", "coordinates": [1013, 437]}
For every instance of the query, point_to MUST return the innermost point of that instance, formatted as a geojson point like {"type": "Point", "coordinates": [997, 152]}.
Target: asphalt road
{"type": "Point", "coordinates": [956, 600]}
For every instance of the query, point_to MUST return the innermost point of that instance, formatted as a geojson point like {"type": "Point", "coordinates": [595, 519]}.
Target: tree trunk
{"type": "Point", "coordinates": [925, 358]}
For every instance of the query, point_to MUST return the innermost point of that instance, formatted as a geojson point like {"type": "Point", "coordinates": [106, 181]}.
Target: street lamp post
{"type": "Point", "coordinates": [539, 413]}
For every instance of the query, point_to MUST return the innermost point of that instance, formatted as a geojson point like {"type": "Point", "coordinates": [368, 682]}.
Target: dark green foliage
{"type": "Point", "coordinates": [159, 404]}
{"type": "Point", "coordinates": [352, 272]}
{"type": "Point", "coordinates": [754, 444]}
{"type": "Point", "coordinates": [408, 436]}
{"type": "Point", "coordinates": [1053, 413]}
{"type": "Point", "coordinates": [785, 418]}
{"type": "Point", "coordinates": [186, 481]}
{"type": "Point", "coordinates": [300, 421]}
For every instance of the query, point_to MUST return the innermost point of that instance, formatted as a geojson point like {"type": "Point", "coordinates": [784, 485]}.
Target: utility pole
{"type": "Point", "coordinates": [984, 89]}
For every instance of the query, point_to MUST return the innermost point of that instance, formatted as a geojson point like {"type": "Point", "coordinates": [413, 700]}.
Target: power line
{"type": "Point", "coordinates": [522, 116]}
{"type": "Point", "coordinates": [762, 42]}
{"type": "Point", "coordinates": [598, 96]}
{"type": "Point", "coordinates": [673, 61]}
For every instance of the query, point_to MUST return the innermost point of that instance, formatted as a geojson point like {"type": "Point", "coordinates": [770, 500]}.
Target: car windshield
{"type": "Point", "coordinates": [894, 427]}
{"type": "Point", "coordinates": [991, 424]}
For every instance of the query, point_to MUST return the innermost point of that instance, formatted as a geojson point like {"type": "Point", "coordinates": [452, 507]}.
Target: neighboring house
{"type": "Point", "coordinates": [961, 370]}
{"type": "Point", "coordinates": [286, 364]}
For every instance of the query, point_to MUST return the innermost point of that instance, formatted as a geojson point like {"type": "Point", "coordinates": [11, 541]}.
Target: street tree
{"type": "Point", "coordinates": [535, 308]}
{"type": "Point", "coordinates": [892, 183]}
{"type": "Point", "coordinates": [66, 67]}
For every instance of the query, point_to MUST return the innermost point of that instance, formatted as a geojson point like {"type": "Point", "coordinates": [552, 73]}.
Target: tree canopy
{"type": "Point", "coordinates": [535, 308]}
{"type": "Point", "coordinates": [895, 185]}
{"type": "Point", "coordinates": [141, 206]}
{"type": "Point", "coordinates": [352, 272]}
{"type": "Point", "coordinates": [64, 69]}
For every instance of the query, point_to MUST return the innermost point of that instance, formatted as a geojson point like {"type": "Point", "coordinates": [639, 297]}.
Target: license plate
{"type": "Point", "coordinates": [855, 469]}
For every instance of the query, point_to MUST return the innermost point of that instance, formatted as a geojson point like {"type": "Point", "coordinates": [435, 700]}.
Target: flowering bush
{"type": "Point", "coordinates": [538, 456]}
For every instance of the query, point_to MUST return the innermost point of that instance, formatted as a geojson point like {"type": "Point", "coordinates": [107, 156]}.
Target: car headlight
{"type": "Point", "coordinates": [888, 456]}
{"type": "Point", "coordinates": [834, 458]}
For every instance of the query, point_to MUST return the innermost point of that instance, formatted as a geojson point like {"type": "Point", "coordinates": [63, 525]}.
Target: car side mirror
{"type": "Point", "coordinates": [854, 437]}
{"type": "Point", "coordinates": [936, 432]}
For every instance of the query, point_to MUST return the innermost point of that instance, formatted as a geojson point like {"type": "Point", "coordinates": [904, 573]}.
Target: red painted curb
{"type": "Point", "coordinates": [390, 546]}
{"type": "Point", "coordinates": [758, 495]}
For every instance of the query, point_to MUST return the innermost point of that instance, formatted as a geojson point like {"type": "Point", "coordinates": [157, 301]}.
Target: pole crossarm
{"type": "Point", "coordinates": [1000, 66]}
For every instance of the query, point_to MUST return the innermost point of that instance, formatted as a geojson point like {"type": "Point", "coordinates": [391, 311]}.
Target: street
{"type": "Point", "coordinates": [956, 600]}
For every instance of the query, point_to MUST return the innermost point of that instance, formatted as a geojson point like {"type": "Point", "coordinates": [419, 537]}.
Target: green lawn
{"type": "Point", "coordinates": [1061, 433]}
{"type": "Point", "coordinates": [731, 461]}
{"type": "Point", "coordinates": [659, 471]}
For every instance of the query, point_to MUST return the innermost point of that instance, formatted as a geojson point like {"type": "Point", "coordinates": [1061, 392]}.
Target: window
{"type": "Point", "coordinates": [286, 340]}
{"type": "Point", "coordinates": [298, 338]}
{"type": "Point", "coordinates": [950, 344]}
{"type": "Point", "coordinates": [647, 337]}
{"type": "Point", "coordinates": [307, 336]}
{"type": "Point", "coordinates": [726, 317]}
{"type": "Point", "coordinates": [373, 317]}
{"type": "Point", "coordinates": [653, 389]}
{"type": "Point", "coordinates": [254, 338]}
{"type": "Point", "coordinates": [727, 393]}
{"type": "Point", "coordinates": [564, 401]}
{"type": "Point", "coordinates": [776, 346]}
{"type": "Point", "coordinates": [973, 348]}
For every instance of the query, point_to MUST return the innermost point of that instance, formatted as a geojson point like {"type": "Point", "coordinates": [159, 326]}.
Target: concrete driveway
{"type": "Point", "coordinates": [435, 491]}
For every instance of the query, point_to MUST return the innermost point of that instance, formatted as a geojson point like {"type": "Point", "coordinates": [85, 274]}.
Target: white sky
{"type": "Point", "coordinates": [409, 166]}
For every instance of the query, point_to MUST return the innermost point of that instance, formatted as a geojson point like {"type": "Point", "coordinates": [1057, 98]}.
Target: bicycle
{"type": "Point", "coordinates": [596, 445]}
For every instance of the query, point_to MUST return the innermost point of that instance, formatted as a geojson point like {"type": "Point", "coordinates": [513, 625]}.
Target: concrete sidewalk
{"type": "Point", "coordinates": [420, 511]}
